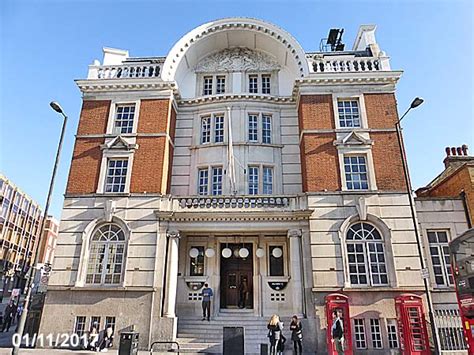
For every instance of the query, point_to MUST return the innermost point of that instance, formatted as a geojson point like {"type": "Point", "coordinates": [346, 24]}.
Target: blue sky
{"type": "Point", "coordinates": [45, 45]}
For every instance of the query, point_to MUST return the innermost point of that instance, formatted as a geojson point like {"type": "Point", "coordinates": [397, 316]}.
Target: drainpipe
{"type": "Point", "coordinates": [165, 270]}
{"type": "Point", "coordinates": [466, 208]}
{"type": "Point", "coordinates": [303, 278]}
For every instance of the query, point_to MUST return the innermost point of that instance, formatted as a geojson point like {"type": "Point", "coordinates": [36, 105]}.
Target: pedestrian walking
{"type": "Point", "coordinates": [275, 328]}
{"type": "Point", "coordinates": [94, 337]}
{"type": "Point", "coordinates": [206, 295]}
{"type": "Point", "coordinates": [296, 334]}
{"type": "Point", "coordinates": [337, 331]}
{"type": "Point", "coordinates": [107, 341]}
{"type": "Point", "coordinates": [10, 313]}
{"type": "Point", "coordinates": [19, 311]}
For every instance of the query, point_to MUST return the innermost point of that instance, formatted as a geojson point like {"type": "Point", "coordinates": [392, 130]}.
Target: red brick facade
{"type": "Point", "coordinates": [319, 156]}
{"type": "Point", "coordinates": [382, 114]}
{"type": "Point", "coordinates": [156, 119]}
{"type": "Point", "coordinates": [319, 161]}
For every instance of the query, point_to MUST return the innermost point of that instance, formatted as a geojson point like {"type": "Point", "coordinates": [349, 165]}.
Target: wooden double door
{"type": "Point", "coordinates": [237, 277]}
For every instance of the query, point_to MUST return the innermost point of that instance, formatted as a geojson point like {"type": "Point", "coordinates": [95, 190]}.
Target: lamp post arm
{"type": "Point", "coordinates": [32, 270]}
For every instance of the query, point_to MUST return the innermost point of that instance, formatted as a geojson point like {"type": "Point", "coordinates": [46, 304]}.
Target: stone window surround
{"type": "Point", "coordinates": [118, 154]}
{"type": "Point", "coordinates": [260, 167]}
{"type": "Point", "coordinates": [450, 230]}
{"type": "Point", "coordinates": [111, 119]}
{"type": "Point", "coordinates": [366, 151]}
{"type": "Point", "coordinates": [362, 109]}
{"type": "Point", "coordinates": [273, 82]}
{"type": "Point", "coordinates": [284, 247]}
{"type": "Point", "coordinates": [368, 331]}
{"type": "Point", "coordinates": [386, 234]}
{"type": "Point", "coordinates": [212, 115]}
{"type": "Point", "coordinates": [200, 83]}
{"type": "Point", "coordinates": [191, 244]}
{"type": "Point", "coordinates": [260, 114]}
{"type": "Point", "coordinates": [85, 249]}
{"type": "Point", "coordinates": [209, 179]}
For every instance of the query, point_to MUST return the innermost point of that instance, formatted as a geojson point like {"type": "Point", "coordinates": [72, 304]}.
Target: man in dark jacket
{"type": "Point", "coordinates": [10, 312]}
{"type": "Point", "coordinates": [337, 331]}
{"type": "Point", "coordinates": [206, 295]}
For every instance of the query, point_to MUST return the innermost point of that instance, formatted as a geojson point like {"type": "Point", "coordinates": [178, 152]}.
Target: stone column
{"type": "Point", "coordinates": [171, 274]}
{"type": "Point", "coordinates": [294, 235]}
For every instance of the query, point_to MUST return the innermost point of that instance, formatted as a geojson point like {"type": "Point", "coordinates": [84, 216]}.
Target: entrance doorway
{"type": "Point", "coordinates": [237, 277]}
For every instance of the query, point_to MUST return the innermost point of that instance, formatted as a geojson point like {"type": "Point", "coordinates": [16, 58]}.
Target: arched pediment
{"type": "Point", "coordinates": [237, 59]}
{"type": "Point", "coordinates": [229, 33]}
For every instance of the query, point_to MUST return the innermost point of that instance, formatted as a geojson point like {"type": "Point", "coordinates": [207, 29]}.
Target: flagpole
{"type": "Point", "coordinates": [230, 154]}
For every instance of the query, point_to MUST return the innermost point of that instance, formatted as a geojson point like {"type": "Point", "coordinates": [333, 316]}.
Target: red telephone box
{"type": "Point", "coordinates": [412, 325]}
{"type": "Point", "coordinates": [340, 303]}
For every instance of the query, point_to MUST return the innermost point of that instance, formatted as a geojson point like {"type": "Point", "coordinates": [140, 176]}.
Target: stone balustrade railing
{"type": "Point", "coordinates": [338, 65]}
{"type": "Point", "coordinates": [242, 202]}
{"type": "Point", "coordinates": [149, 70]}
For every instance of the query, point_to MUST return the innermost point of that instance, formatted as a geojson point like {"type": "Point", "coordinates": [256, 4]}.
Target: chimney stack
{"type": "Point", "coordinates": [455, 156]}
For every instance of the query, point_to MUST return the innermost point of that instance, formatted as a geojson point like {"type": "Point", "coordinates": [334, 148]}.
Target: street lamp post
{"type": "Point", "coordinates": [415, 103]}
{"type": "Point", "coordinates": [29, 284]}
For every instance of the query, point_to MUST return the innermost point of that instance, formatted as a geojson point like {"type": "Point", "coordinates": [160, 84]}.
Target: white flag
{"type": "Point", "coordinates": [230, 155]}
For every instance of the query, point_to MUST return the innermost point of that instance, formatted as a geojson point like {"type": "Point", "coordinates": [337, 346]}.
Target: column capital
{"type": "Point", "coordinates": [292, 233]}
{"type": "Point", "coordinates": [173, 234]}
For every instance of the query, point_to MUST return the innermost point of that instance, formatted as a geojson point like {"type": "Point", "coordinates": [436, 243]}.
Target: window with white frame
{"type": "Point", "coordinates": [440, 259]}
{"type": "Point", "coordinates": [266, 129]}
{"type": "Point", "coordinates": [80, 325]}
{"type": "Point", "coordinates": [219, 128]}
{"type": "Point", "coordinates": [196, 264]}
{"type": "Point", "coordinates": [203, 181]}
{"type": "Point", "coordinates": [220, 84]}
{"type": "Point", "coordinates": [206, 130]}
{"type": "Point", "coordinates": [95, 322]}
{"type": "Point", "coordinates": [116, 177]}
{"type": "Point", "coordinates": [266, 84]}
{"type": "Point", "coordinates": [253, 180]}
{"type": "Point", "coordinates": [110, 322]}
{"type": "Point", "coordinates": [359, 334]}
{"type": "Point", "coordinates": [217, 181]}
{"type": "Point", "coordinates": [207, 88]}
{"type": "Point", "coordinates": [267, 180]}
{"type": "Point", "coordinates": [366, 256]}
{"type": "Point", "coordinates": [376, 333]}
{"type": "Point", "coordinates": [124, 116]}
{"type": "Point", "coordinates": [349, 113]}
{"type": "Point", "coordinates": [253, 128]}
{"type": "Point", "coordinates": [106, 255]}
{"type": "Point", "coordinates": [355, 170]}
{"type": "Point", "coordinates": [392, 333]}
{"type": "Point", "coordinates": [253, 84]}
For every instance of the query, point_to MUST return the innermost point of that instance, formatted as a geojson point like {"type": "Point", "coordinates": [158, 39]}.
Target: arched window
{"type": "Point", "coordinates": [366, 255]}
{"type": "Point", "coordinates": [106, 256]}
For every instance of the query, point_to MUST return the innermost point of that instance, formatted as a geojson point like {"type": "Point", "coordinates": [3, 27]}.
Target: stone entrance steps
{"type": "Point", "coordinates": [207, 337]}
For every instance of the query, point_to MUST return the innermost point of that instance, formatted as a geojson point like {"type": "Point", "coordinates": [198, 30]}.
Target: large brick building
{"type": "Point", "coordinates": [237, 159]}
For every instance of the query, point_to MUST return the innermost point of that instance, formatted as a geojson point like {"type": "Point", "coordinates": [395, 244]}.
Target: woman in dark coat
{"type": "Point", "coordinates": [296, 334]}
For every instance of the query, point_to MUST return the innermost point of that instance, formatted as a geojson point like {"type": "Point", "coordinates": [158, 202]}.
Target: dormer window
{"type": "Point", "coordinates": [220, 84]}
{"type": "Point", "coordinates": [259, 83]}
{"type": "Point", "coordinates": [213, 85]}
{"type": "Point", "coordinates": [253, 84]}
{"type": "Point", "coordinates": [266, 84]}
{"type": "Point", "coordinates": [207, 85]}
